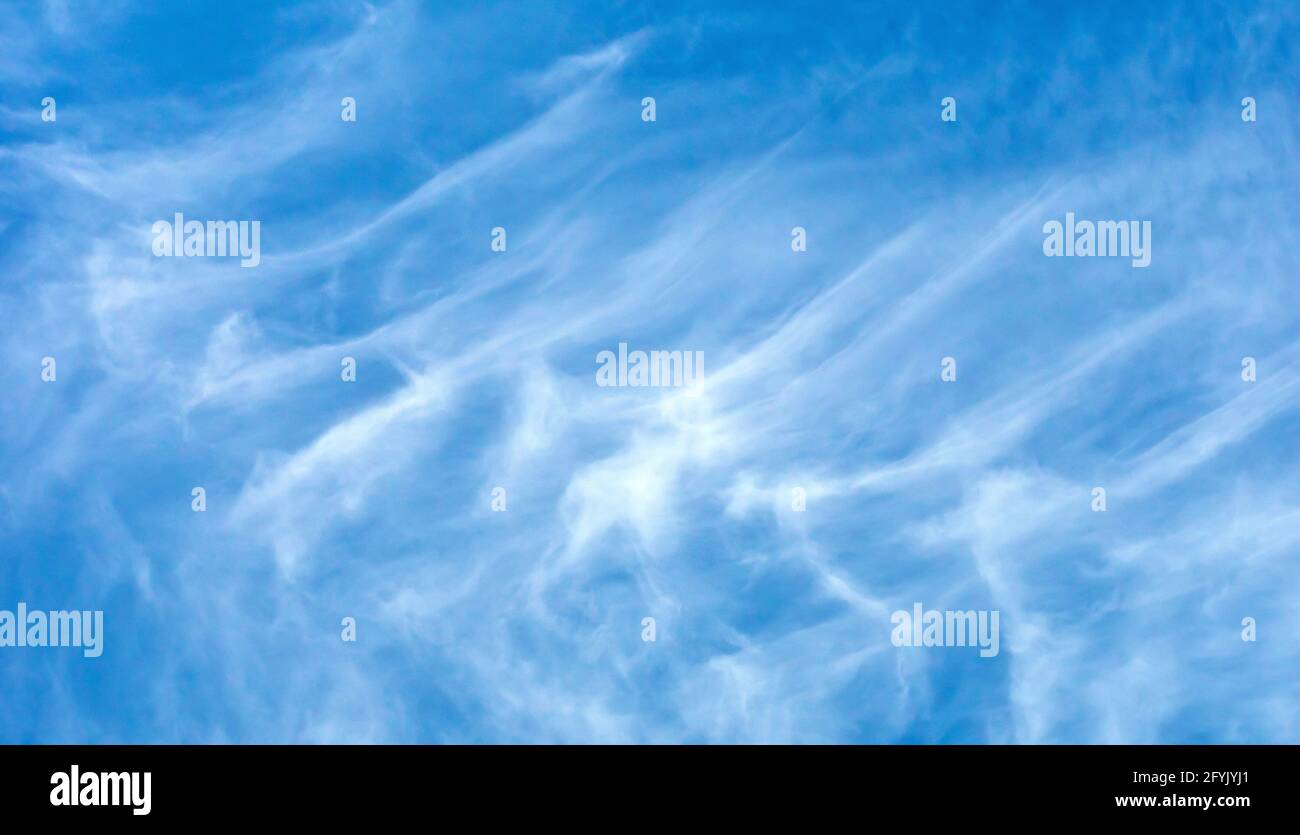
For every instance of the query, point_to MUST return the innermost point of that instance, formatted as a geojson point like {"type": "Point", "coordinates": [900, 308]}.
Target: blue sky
{"type": "Point", "coordinates": [475, 369]}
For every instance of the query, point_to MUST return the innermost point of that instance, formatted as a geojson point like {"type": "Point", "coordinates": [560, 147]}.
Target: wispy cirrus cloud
{"type": "Point", "coordinates": [475, 370]}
